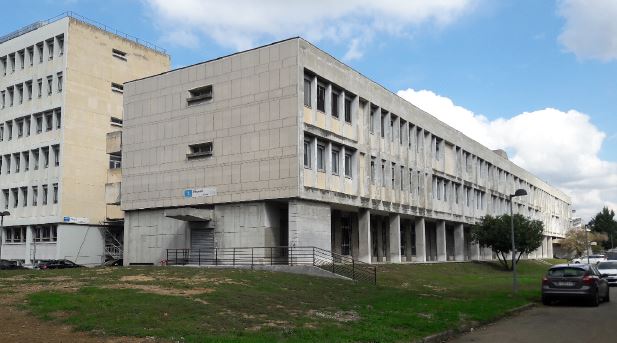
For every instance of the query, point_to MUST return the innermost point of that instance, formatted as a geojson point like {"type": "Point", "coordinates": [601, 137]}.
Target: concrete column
{"type": "Point", "coordinates": [395, 238]}
{"type": "Point", "coordinates": [550, 247]}
{"type": "Point", "coordinates": [420, 240]}
{"type": "Point", "coordinates": [441, 241]}
{"type": "Point", "coordinates": [364, 236]}
{"type": "Point", "coordinates": [380, 250]}
{"type": "Point", "coordinates": [459, 242]}
{"type": "Point", "coordinates": [29, 245]}
{"type": "Point", "coordinates": [475, 251]}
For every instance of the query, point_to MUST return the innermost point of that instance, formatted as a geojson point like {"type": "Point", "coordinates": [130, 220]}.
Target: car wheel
{"type": "Point", "coordinates": [546, 300]}
{"type": "Point", "coordinates": [595, 299]}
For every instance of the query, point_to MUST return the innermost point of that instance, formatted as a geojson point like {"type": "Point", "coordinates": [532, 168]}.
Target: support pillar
{"type": "Point", "coordinates": [550, 247]}
{"type": "Point", "coordinates": [441, 241]}
{"type": "Point", "coordinates": [29, 245]}
{"type": "Point", "coordinates": [420, 240]}
{"type": "Point", "coordinates": [475, 251]}
{"type": "Point", "coordinates": [395, 238]}
{"type": "Point", "coordinates": [459, 242]}
{"type": "Point", "coordinates": [408, 242]}
{"type": "Point", "coordinates": [380, 249]}
{"type": "Point", "coordinates": [364, 236]}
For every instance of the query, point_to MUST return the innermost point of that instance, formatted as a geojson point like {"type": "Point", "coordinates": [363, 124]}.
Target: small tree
{"type": "Point", "coordinates": [495, 232]}
{"type": "Point", "coordinates": [576, 241]}
{"type": "Point", "coordinates": [604, 222]}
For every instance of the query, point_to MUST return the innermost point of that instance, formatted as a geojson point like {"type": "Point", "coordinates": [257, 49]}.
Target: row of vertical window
{"type": "Point", "coordinates": [29, 159]}
{"type": "Point", "coordinates": [40, 233]}
{"type": "Point", "coordinates": [340, 100]}
{"type": "Point", "coordinates": [19, 197]}
{"type": "Point", "coordinates": [22, 126]}
{"type": "Point", "coordinates": [36, 53]}
{"type": "Point", "coordinates": [338, 154]}
{"type": "Point", "coordinates": [17, 94]}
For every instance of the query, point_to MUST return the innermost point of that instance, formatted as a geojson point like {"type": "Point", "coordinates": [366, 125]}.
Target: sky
{"type": "Point", "coordinates": [535, 78]}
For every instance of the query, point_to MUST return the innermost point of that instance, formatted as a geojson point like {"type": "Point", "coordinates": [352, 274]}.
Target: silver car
{"type": "Point", "coordinates": [591, 260]}
{"type": "Point", "coordinates": [609, 270]}
{"type": "Point", "coordinates": [566, 281]}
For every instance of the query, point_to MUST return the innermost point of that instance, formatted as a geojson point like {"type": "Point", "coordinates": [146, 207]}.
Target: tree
{"type": "Point", "coordinates": [495, 232]}
{"type": "Point", "coordinates": [604, 222]}
{"type": "Point", "coordinates": [576, 240]}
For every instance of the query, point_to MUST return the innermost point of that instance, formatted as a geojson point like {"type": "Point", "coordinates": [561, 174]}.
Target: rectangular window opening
{"type": "Point", "coordinates": [200, 150]}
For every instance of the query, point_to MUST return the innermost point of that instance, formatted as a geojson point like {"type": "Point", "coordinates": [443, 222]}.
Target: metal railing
{"type": "Point", "coordinates": [277, 255]}
{"type": "Point", "coordinates": [85, 20]}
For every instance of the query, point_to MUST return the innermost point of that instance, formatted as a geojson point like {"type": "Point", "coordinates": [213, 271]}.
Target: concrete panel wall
{"type": "Point", "coordinates": [309, 224]}
{"type": "Point", "coordinates": [81, 244]}
{"type": "Point", "coordinates": [248, 225]}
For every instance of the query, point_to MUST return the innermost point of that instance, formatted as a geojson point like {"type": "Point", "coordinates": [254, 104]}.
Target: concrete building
{"type": "Point", "coordinates": [285, 145]}
{"type": "Point", "coordinates": [61, 85]}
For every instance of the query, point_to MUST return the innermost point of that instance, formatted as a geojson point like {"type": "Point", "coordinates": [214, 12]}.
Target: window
{"type": "Point", "coordinates": [200, 150]}
{"type": "Point", "coordinates": [26, 160]}
{"type": "Point", "coordinates": [45, 195]}
{"type": "Point", "coordinates": [116, 122]}
{"type": "Point", "coordinates": [383, 173]}
{"type": "Point", "coordinates": [121, 55]}
{"type": "Point", "coordinates": [335, 161]}
{"type": "Point", "coordinates": [20, 93]}
{"type": "Point", "coordinates": [45, 152]}
{"type": "Point", "coordinates": [307, 93]}
{"type": "Point", "coordinates": [58, 113]}
{"type": "Point", "coordinates": [55, 193]}
{"type": "Point", "coordinates": [15, 197]}
{"type": "Point", "coordinates": [56, 150]}
{"type": "Point", "coordinates": [49, 121]}
{"type": "Point", "coordinates": [400, 131]}
{"type": "Point", "coordinates": [402, 178]}
{"type": "Point", "coordinates": [418, 139]}
{"type": "Point", "coordinates": [348, 110]}
{"type": "Point", "coordinates": [60, 45]}
{"type": "Point", "coordinates": [115, 161]}
{"type": "Point", "coordinates": [12, 61]}
{"type": "Point", "coordinates": [3, 99]}
{"type": "Point", "coordinates": [7, 158]}
{"type": "Point", "coordinates": [3, 63]}
{"type": "Point", "coordinates": [29, 89]}
{"type": "Point", "coordinates": [383, 125]}
{"type": "Point", "coordinates": [15, 234]}
{"type": "Point", "coordinates": [348, 165]}
{"type": "Point", "coordinates": [22, 59]}
{"type": "Point", "coordinates": [321, 152]}
{"type": "Point", "coordinates": [373, 170]}
{"type": "Point", "coordinates": [199, 95]}
{"type": "Point", "coordinates": [46, 233]}
{"type": "Point", "coordinates": [418, 184]}
{"type": "Point", "coordinates": [35, 195]}
{"type": "Point", "coordinates": [1, 132]}
{"type": "Point", "coordinates": [307, 153]}
{"type": "Point", "coordinates": [391, 129]}
{"type": "Point", "coordinates": [392, 183]}
{"type": "Point", "coordinates": [39, 50]}
{"type": "Point", "coordinates": [321, 98]}
{"type": "Point", "coordinates": [372, 121]}
{"type": "Point", "coordinates": [30, 51]}
{"type": "Point", "coordinates": [5, 192]}
{"type": "Point", "coordinates": [9, 127]}
{"type": "Point", "coordinates": [10, 91]}
{"type": "Point", "coordinates": [17, 162]}
{"type": "Point", "coordinates": [116, 87]}
{"type": "Point", "coordinates": [50, 80]}
{"type": "Point", "coordinates": [24, 196]}
{"type": "Point", "coordinates": [50, 49]}
{"type": "Point", "coordinates": [335, 97]}
{"type": "Point", "coordinates": [39, 123]}
{"type": "Point", "coordinates": [20, 128]}
{"type": "Point", "coordinates": [59, 77]}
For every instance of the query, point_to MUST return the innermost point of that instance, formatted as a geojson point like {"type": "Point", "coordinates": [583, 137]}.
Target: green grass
{"type": "Point", "coordinates": [409, 302]}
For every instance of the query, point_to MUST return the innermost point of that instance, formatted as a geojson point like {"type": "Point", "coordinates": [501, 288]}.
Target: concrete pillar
{"type": "Point", "coordinates": [380, 249]}
{"type": "Point", "coordinates": [408, 242]}
{"type": "Point", "coordinates": [459, 242]}
{"type": "Point", "coordinates": [475, 251]}
{"type": "Point", "coordinates": [550, 247]}
{"type": "Point", "coordinates": [29, 245]}
{"type": "Point", "coordinates": [420, 240]}
{"type": "Point", "coordinates": [364, 236]}
{"type": "Point", "coordinates": [441, 241]}
{"type": "Point", "coordinates": [395, 238]}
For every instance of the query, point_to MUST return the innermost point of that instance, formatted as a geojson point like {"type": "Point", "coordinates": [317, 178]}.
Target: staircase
{"type": "Point", "coordinates": [113, 247]}
{"type": "Point", "coordinates": [279, 255]}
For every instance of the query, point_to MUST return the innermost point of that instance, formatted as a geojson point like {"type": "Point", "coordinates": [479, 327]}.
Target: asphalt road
{"type": "Point", "coordinates": [562, 323]}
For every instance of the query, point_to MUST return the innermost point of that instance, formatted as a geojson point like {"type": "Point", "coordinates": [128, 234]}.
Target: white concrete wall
{"type": "Point", "coordinates": [309, 224]}
{"type": "Point", "coordinates": [247, 225]}
{"type": "Point", "coordinates": [81, 244]}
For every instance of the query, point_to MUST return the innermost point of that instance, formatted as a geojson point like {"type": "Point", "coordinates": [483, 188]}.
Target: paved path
{"type": "Point", "coordinates": [561, 323]}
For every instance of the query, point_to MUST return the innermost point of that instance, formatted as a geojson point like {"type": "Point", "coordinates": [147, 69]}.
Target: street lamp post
{"type": "Point", "coordinates": [518, 193]}
{"type": "Point", "coordinates": [587, 242]}
{"type": "Point", "coordinates": [2, 215]}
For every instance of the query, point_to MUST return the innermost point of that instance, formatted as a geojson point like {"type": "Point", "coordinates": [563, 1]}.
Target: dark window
{"type": "Point", "coordinates": [116, 121]}
{"type": "Point", "coordinates": [335, 161]}
{"type": "Point", "coordinates": [335, 105]}
{"type": "Point", "coordinates": [307, 92]}
{"type": "Point", "coordinates": [115, 161]}
{"type": "Point", "coordinates": [321, 98]}
{"type": "Point", "coordinates": [200, 150]}
{"type": "Point", "coordinates": [348, 165]}
{"type": "Point", "coordinates": [116, 87]}
{"type": "Point", "coordinates": [321, 152]}
{"type": "Point", "coordinates": [307, 153]}
{"type": "Point", "coordinates": [199, 95]}
{"type": "Point", "coordinates": [348, 110]}
{"type": "Point", "coordinates": [118, 54]}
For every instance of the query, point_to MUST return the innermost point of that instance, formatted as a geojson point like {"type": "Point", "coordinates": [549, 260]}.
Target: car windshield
{"type": "Point", "coordinates": [597, 256]}
{"type": "Point", "coordinates": [566, 272]}
{"type": "Point", "coordinates": [607, 265]}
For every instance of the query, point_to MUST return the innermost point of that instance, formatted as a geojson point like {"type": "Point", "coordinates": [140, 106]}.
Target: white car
{"type": "Point", "coordinates": [609, 270]}
{"type": "Point", "coordinates": [593, 259]}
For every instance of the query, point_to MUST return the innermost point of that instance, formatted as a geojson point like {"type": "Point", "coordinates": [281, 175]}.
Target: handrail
{"type": "Point", "coordinates": [276, 255]}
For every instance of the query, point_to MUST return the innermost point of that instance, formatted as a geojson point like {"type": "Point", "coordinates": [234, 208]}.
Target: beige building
{"type": "Point", "coordinates": [61, 89]}
{"type": "Point", "coordinates": [283, 145]}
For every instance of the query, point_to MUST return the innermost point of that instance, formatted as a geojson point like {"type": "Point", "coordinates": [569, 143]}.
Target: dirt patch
{"type": "Point", "coordinates": [163, 291]}
{"type": "Point", "coordinates": [339, 316]}
{"type": "Point", "coordinates": [270, 324]}
{"type": "Point", "coordinates": [138, 278]}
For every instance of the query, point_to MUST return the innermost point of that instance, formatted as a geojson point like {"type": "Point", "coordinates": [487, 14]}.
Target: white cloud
{"type": "Point", "coordinates": [241, 24]}
{"type": "Point", "coordinates": [590, 29]}
{"type": "Point", "coordinates": [559, 147]}
{"type": "Point", "coordinates": [181, 38]}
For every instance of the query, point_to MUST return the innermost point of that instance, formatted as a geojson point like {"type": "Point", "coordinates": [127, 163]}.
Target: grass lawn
{"type": "Point", "coordinates": [226, 305]}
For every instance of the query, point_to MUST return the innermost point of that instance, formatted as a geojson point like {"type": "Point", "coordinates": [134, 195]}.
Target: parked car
{"type": "Point", "coordinates": [609, 269]}
{"type": "Point", "coordinates": [565, 281]}
{"type": "Point", "coordinates": [9, 265]}
{"type": "Point", "coordinates": [592, 259]}
{"type": "Point", "coordinates": [57, 264]}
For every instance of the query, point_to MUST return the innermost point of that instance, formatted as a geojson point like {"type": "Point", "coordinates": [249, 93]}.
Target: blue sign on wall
{"type": "Point", "coordinates": [188, 193]}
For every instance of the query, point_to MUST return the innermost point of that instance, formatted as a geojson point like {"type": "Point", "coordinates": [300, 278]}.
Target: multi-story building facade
{"type": "Point", "coordinates": [285, 145]}
{"type": "Point", "coordinates": [61, 85]}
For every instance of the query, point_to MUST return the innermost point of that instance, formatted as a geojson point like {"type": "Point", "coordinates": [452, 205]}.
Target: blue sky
{"type": "Point", "coordinates": [476, 64]}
